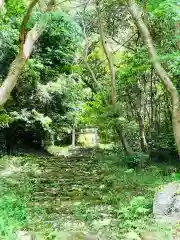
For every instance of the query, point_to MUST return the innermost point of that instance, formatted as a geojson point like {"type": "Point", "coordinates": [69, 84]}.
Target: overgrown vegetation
{"type": "Point", "coordinates": [67, 67]}
{"type": "Point", "coordinates": [49, 195]}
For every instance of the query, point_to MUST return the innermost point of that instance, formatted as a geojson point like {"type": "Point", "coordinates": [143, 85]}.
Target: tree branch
{"type": "Point", "coordinates": [42, 5]}
{"type": "Point", "coordinates": [124, 43]}
{"type": "Point", "coordinates": [51, 4]}
{"type": "Point", "coordinates": [24, 22]}
{"type": "Point", "coordinates": [86, 50]}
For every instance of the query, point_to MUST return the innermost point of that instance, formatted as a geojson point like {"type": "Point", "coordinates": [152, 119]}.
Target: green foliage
{"type": "Point", "coordinates": [13, 214]}
{"type": "Point", "coordinates": [138, 208]}
{"type": "Point", "coordinates": [59, 41]}
{"type": "Point", "coordinates": [131, 217]}
{"type": "Point", "coordinates": [165, 141]}
{"type": "Point", "coordinates": [15, 8]}
{"type": "Point", "coordinates": [136, 160]}
{"type": "Point", "coordinates": [31, 118]}
{"type": "Point", "coordinates": [164, 19]}
{"type": "Point", "coordinates": [56, 91]}
{"type": "Point", "coordinates": [4, 118]}
{"type": "Point", "coordinates": [43, 95]}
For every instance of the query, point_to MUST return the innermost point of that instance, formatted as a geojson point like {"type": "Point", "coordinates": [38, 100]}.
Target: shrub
{"type": "Point", "coordinates": [138, 209]}
{"type": "Point", "coordinates": [13, 214]}
{"type": "Point", "coordinates": [136, 160]}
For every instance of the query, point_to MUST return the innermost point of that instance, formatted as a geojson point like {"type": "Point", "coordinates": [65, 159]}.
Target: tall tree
{"type": "Point", "coordinates": [117, 126]}
{"type": "Point", "coordinates": [27, 42]}
{"type": "Point", "coordinates": [108, 57]}
{"type": "Point", "coordinates": [136, 13]}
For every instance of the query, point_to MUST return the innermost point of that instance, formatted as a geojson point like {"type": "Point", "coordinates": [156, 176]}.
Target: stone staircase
{"type": "Point", "coordinates": [65, 179]}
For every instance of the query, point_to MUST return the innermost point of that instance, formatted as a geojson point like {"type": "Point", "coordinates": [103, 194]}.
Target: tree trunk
{"type": "Point", "coordinates": [18, 65]}
{"type": "Point", "coordinates": [177, 34]}
{"type": "Point", "coordinates": [152, 109]}
{"type": "Point", "coordinates": [11, 79]}
{"type": "Point", "coordinates": [144, 145]}
{"type": "Point", "coordinates": [141, 115]}
{"type": "Point", "coordinates": [136, 14]}
{"type": "Point", "coordinates": [52, 138]}
{"type": "Point", "coordinates": [178, 28]}
{"type": "Point", "coordinates": [109, 59]}
{"type": "Point", "coordinates": [42, 5]}
{"type": "Point", "coordinates": [127, 149]}
{"type": "Point", "coordinates": [1, 3]}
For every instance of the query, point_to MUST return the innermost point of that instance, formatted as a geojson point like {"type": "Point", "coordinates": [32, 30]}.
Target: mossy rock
{"type": "Point", "coordinates": [166, 204]}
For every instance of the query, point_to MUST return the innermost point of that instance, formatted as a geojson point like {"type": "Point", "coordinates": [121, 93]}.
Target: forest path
{"type": "Point", "coordinates": [88, 191]}
{"type": "Point", "coordinates": [69, 192]}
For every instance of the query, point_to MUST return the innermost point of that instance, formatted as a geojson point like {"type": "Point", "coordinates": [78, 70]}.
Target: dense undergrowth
{"type": "Point", "coordinates": [51, 195]}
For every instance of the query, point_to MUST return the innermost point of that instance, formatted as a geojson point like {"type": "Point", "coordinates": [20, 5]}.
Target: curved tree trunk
{"type": "Point", "coordinates": [136, 14]}
{"type": "Point", "coordinates": [127, 148]}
